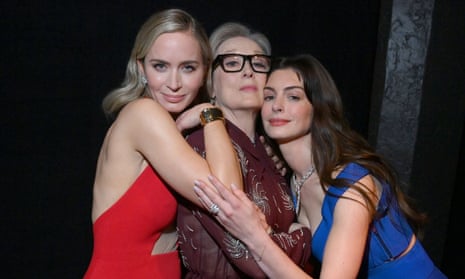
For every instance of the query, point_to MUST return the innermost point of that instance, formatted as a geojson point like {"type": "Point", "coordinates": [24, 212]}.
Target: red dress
{"type": "Point", "coordinates": [125, 234]}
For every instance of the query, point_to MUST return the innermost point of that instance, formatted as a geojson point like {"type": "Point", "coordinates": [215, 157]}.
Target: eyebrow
{"type": "Point", "coordinates": [285, 88]}
{"type": "Point", "coordinates": [293, 87]}
{"type": "Point", "coordinates": [269, 88]}
{"type": "Point", "coordinates": [182, 62]}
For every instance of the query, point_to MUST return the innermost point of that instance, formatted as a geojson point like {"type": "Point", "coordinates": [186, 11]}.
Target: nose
{"type": "Point", "coordinates": [174, 81]}
{"type": "Point", "coordinates": [277, 105]}
{"type": "Point", "coordinates": [247, 71]}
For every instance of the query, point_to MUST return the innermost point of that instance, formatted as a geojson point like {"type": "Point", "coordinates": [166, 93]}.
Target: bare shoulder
{"type": "Point", "coordinates": [142, 112]}
{"type": "Point", "coordinates": [142, 106]}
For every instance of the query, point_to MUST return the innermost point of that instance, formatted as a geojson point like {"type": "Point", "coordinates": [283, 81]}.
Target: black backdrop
{"type": "Point", "coordinates": [61, 57]}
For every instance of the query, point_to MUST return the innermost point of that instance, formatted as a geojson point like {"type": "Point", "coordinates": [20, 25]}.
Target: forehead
{"type": "Point", "coordinates": [284, 78]}
{"type": "Point", "coordinates": [240, 45]}
{"type": "Point", "coordinates": [176, 45]}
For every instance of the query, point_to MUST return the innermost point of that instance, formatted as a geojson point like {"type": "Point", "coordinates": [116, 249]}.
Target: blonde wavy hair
{"type": "Point", "coordinates": [167, 21]}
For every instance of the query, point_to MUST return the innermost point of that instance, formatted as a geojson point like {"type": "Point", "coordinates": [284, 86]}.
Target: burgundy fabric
{"type": "Point", "coordinates": [207, 250]}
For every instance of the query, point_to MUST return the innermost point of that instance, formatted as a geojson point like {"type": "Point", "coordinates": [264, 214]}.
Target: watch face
{"type": "Point", "coordinates": [210, 114]}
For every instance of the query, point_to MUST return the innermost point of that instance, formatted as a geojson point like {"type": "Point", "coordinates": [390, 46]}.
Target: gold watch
{"type": "Point", "coordinates": [210, 114]}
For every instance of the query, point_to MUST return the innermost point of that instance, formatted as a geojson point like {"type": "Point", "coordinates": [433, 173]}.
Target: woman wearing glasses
{"type": "Point", "coordinates": [236, 84]}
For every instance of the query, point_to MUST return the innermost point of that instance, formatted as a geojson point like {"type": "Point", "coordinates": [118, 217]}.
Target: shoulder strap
{"type": "Point", "coordinates": [353, 172]}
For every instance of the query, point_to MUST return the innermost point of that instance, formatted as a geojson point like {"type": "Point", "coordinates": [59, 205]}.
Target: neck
{"type": "Point", "coordinates": [243, 119]}
{"type": "Point", "coordinates": [298, 154]}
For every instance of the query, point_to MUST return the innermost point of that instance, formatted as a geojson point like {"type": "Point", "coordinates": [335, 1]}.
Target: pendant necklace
{"type": "Point", "coordinates": [298, 186]}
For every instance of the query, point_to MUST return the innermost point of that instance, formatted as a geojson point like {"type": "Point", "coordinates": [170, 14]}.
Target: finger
{"type": "Point", "coordinates": [221, 188]}
{"type": "Point", "coordinates": [209, 195]}
{"type": "Point", "coordinates": [234, 197]}
{"type": "Point", "coordinates": [204, 199]}
{"type": "Point", "coordinates": [268, 149]}
{"type": "Point", "coordinates": [241, 198]}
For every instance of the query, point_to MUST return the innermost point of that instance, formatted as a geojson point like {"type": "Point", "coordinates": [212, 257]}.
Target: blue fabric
{"type": "Point", "coordinates": [389, 236]}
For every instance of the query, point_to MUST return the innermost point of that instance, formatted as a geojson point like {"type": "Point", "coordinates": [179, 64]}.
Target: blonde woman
{"type": "Point", "coordinates": [143, 153]}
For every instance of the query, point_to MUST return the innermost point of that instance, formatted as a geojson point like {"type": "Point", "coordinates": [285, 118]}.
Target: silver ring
{"type": "Point", "coordinates": [214, 209]}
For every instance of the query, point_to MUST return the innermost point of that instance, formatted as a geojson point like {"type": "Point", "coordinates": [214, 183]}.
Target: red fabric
{"type": "Point", "coordinates": [125, 234]}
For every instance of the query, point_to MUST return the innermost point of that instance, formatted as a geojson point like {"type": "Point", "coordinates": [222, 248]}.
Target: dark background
{"type": "Point", "coordinates": [60, 58]}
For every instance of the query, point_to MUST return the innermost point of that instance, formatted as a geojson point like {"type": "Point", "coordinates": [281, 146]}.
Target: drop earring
{"type": "Point", "coordinates": [212, 100]}
{"type": "Point", "coordinates": [143, 79]}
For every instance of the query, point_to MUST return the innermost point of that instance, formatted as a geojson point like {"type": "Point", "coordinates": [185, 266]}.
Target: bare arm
{"type": "Point", "coordinates": [347, 239]}
{"type": "Point", "coordinates": [154, 135]}
{"type": "Point", "coordinates": [239, 216]}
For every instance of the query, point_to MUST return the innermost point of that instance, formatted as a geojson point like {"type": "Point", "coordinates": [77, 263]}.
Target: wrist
{"type": "Point", "coordinates": [211, 114]}
{"type": "Point", "coordinates": [269, 230]}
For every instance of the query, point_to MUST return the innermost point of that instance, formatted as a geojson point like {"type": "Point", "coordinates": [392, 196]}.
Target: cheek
{"type": "Point", "coordinates": [306, 116]}
{"type": "Point", "coordinates": [223, 81]}
{"type": "Point", "coordinates": [193, 81]}
{"type": "Point", "coordinates": [265, 110]}
{"type": "Point", "coordinates": [155, 80]}
{"type": "Point", "coordinates": [261, 80]}
{"type": "Point", "coordinates": [155, 86]}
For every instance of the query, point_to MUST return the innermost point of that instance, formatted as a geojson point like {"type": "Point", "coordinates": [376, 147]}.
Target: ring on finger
{"type": "Point", "coordinates": [214, 209]}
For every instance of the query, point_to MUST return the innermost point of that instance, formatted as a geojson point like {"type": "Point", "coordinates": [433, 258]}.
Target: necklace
{"type": "Point", "coordinates": [298, 186]}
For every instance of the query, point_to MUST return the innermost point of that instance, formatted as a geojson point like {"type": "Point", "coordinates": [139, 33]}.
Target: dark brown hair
{"type": "Point", "coordinates": [334, 143]}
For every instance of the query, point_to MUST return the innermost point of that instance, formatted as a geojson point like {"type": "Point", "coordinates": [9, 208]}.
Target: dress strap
{"type": "Point", "coordinates": [353, 172]}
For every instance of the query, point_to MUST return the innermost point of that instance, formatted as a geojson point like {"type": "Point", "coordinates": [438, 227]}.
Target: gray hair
{"type": "Point", "coordinates": [230, 30]}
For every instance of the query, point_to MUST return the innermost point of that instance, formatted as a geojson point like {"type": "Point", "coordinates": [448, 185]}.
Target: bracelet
{"type": "Point", "coordinates": [210, 114]}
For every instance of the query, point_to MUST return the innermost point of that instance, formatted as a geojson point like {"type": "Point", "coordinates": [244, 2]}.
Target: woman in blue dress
{"type": "Point", "coordinates": [363, 226]}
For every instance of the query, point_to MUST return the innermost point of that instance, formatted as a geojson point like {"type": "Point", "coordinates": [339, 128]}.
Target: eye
{"type": "Point", "coordinates": [268, 98]}
{"type": "Point", "coordinates": [231, 63]}
{"type": "Point", "coordinates": [259, 65]}
{"type": "Point", "coordinates": [268, 95]}
{"type": "Point", "coordinates": [189, 68]}
{"type": "Point", "coordinates": [295, 94]}
{"type": "Point", "coordinates": [261, 62]}
{"type": "Point", "coordinates": [293, 97]}
{"type": "Point", "coordinates": [160, 67]}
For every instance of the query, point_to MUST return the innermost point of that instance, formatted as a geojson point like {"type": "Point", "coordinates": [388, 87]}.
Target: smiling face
{"type": "Point", "coordinates": [286, 112]}
{"type": "Point", "coordinates": [174, 70]}
{"type": "Point", "coordinates": [241, 90]}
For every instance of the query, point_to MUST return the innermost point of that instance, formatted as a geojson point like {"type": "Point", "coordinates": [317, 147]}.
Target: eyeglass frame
{"type": "Point", "coordinates": [220, 57]}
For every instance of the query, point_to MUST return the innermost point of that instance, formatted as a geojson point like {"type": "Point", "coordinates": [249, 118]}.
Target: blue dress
{"type": "Point", "coordinates": [389, 236]}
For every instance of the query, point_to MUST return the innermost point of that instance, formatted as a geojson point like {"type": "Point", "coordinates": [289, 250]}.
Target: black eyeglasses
{"type": "Point", "coordinates": [233, 62]}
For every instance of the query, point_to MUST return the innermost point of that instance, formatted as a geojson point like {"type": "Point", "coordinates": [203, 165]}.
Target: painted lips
{"type": "Point", "coordinates": [173, 98]}
{"type": "Point", "coordinates": [276, 122]}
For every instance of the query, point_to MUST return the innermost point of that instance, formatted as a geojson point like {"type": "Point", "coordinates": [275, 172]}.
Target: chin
{"type": "Point", "coordinates": [175, 108]}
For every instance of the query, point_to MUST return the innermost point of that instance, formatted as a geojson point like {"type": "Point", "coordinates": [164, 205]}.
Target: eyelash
{"type": "Point", "coordinates": [291, 97]}
{"type": "Point", "coordinates": [190, 68]}
{"type": "Point", "coordinates": [162, 67]}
